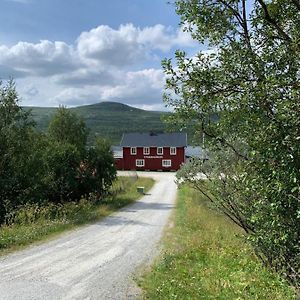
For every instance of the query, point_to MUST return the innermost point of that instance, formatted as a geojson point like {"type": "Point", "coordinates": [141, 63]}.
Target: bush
{"type": "Point", "coordinates": [98, 171]}
{"type": "Point", "coordinates": [36, 168]}
{"type": "Point", "coordinates": [62, 163]}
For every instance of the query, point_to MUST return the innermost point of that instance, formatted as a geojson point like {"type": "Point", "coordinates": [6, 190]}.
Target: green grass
{"type": "Point", "coordinates": [206, 257]}
{"type": "Point", "coordinates": [33, 223]}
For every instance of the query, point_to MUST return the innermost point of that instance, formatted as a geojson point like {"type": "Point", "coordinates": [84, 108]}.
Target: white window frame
{"type": "Point", "coordinates": [162, 151]}
{"type": "Point", "coordinates": [146, 150]}
{"type": "Point", "coordinates": [173, 150]}
{"type": "Point", "coordinates": [142, 161]}
{"type": "Point", "coordinates": [133, 150]}
{"type": "Point", "coordinates": [167, 163]}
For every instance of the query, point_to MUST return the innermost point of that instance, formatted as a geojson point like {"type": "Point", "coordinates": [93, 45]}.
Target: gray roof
{"type": "Point", "coordinates": [177, 139]}
{"type": "Point", "coordinates": [196, 151]}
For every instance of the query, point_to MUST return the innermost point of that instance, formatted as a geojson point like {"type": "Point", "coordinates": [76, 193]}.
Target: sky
{"type": "Point", "coordinates": [79, 52]}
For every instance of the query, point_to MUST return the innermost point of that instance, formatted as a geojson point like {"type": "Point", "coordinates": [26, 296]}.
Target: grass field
{"type": "Point", "coordinates": [32, 223]}
{"type": "Point", "coordinates": [205, 257]}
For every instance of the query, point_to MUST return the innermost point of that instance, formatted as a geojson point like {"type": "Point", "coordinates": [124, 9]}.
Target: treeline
{"type": "Point", "coordinates": [56, 166]}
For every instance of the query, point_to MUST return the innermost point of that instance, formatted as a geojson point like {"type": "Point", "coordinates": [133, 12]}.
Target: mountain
{"type": "Point", "coordinates": [106, 119]}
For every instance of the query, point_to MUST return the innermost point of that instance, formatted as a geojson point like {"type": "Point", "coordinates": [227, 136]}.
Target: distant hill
{"type": "Point", "coordinates": [107, 119]}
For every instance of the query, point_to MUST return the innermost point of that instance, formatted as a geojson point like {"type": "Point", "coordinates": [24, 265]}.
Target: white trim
{"type": "Point", "coordinates": [140, 163]}
{"type": "Point", "coordinates": [167, 163]}
{"type": "Point", "coordinates": [162, 151]}
{"type": "Point", "coordinates": [133, 150]}
{"type": "Point", "coordinates": [146, 152]}
{"type": "Point", "coordinates": [173, 152]}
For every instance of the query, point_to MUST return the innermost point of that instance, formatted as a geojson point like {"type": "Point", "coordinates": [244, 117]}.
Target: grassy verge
{"type": "Point", "coordinates": [33, 223]}
{"type": "Point", "coordinates": [205, 257]}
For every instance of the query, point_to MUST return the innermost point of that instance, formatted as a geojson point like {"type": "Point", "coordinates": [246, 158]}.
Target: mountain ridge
{"type": "Point", "coordinates": [106, 119]}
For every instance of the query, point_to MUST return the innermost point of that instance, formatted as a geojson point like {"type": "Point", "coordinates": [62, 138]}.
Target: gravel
{"type": "Point", "coordinates": [97, 261]}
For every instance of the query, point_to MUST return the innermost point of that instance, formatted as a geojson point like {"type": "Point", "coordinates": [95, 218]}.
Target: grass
{"type": "Point", "coordinates": [206, 257]}
{"type": "Point", "coordinates": [33, 223]}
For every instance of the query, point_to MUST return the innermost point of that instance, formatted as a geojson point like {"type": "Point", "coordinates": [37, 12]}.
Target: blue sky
{"type": "Point", "coordinates": [77, 52]}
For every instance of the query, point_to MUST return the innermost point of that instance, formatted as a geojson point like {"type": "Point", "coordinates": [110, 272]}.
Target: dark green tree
{"type": "Point", "coordinates": [68, 127]}
{"type": "Point", "coordinates": [61, 170]}
{"type": "Point", "coordinates": [250, 79]}
{"type": "Point", "coordinates": [16, 135]}
{"type": "Point", "coordinates": [98, 170]}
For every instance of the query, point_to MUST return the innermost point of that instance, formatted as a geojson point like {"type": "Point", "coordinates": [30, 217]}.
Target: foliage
{"type": "Point", "coordinates": [206, 257]}
{"type": "Point", "coordinates": [61, 163]}
{"type": "Point", "coordinates": [15, 147]}
{"type": "Point", "coordinates": [218, 179]}
{"type": "Point", "coordinates": [250, 79]}
{"type": "Point", "coordinates": [98, 170]}
{"type": "Point", "coordinates": [67, 127]}
{"type": "Point", "coordinates": [36, 168]}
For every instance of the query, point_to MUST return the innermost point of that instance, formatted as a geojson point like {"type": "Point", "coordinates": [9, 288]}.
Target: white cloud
{"type": "Point", "coordinates": [129, 44]}
{"type": "Point", "coordinates": [44, 58]}
{"type": "Point", "coordinates": [77, 96]}
{"type": "Point", "coordinates": [7, 72]}
{"type": "Point", "coordinates": [88, 76]}
{"type": "Point", "coordinates": [163, 38]}
{"type": "Point", "coordinates": [143, 86]}
{"type": "Point", "coordinates": [102, 64]}
{"type": "Point", "coordinates": [109, 46]}
{"type": "Point", "coordinates": [98, 49]}
{"type": "Point", "coordinates": [154, 107]}
{"type": "Point", "coordinates": [140, 87]}
{"type": "Point", "coordinates": [31, 91]}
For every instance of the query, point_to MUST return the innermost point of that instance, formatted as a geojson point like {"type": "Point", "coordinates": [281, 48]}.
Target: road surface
{"type": "Point", "coordinates": [97, 261]}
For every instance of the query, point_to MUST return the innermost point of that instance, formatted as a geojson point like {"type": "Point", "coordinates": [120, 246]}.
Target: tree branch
{"type": "Point", "coordinates": [225, 210]}
{"type": "Point", "coordinates": [245, 25]}
{"type": "Point", "coordinates": [225, 143]}
{"type": "Point", "coordinates": [273, 22]}
{"type": "Point", "coordinates": [234, 11]}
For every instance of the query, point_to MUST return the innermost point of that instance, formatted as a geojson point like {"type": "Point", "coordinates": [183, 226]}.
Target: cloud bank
{"type": "Point", "coordinates": [102, 64]}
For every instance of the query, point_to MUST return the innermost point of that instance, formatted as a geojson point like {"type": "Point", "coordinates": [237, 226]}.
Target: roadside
{"type": "Point", "coordinates": [205, 257]}
{"type": "Point", "coordinates": [96, 261]}
{"type": "Point", "coordinates": [34, 224]}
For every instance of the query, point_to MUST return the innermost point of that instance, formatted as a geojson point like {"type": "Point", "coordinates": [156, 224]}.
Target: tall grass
{"type": "Point", "coordinates": [206, 257]}
{"type": "Point", "coordinates": [34, 222]}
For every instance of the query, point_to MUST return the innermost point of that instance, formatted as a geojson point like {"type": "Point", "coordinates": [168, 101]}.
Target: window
{"type": "Point", "coordinates": [146, 150]}
{"type": "Point", "coordinates": [173, 151]}
{"type": "Point", "coordinates": [166, 163]}
{"type": "Point", "coordinates": [160, 151]}
{"type": "Point", "coordinates": [140, 163]}
{"type": "Point", "coordinates": [133, 150]}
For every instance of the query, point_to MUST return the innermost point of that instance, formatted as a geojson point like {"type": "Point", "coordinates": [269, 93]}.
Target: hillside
{"type": "Point", "coordinates": [106, 119]}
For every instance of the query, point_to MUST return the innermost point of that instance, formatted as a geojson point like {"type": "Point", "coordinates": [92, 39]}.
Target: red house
{"type": "Point", "coordinates": [153, 152]}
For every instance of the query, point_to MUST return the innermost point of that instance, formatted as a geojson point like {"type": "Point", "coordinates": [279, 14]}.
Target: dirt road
{"type": "Point", "coordinates": [97, 261]}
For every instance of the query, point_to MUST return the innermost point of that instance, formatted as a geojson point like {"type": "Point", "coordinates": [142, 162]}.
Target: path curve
{"type": "Point", "coordinates": [96, 261]}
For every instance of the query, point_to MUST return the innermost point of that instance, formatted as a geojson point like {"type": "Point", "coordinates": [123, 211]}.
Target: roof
{"type": "Point", "coordinates": [176, 139]}
{"type": "Point", "coordinates": [196, 151]}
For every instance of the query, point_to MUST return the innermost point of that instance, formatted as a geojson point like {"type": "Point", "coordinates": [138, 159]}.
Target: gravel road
{"type": "Point", "coordinates": [97, 261]}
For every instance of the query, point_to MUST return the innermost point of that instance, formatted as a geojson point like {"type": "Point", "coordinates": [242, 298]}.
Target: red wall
{"type": "Point", "coordinates": [119, 163]}
{"type": "Point", "coordinates": [152, 163]}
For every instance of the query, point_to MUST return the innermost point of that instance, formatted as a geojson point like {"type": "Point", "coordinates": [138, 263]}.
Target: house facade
{"type": "Point", "coordinates": [153, 152]}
